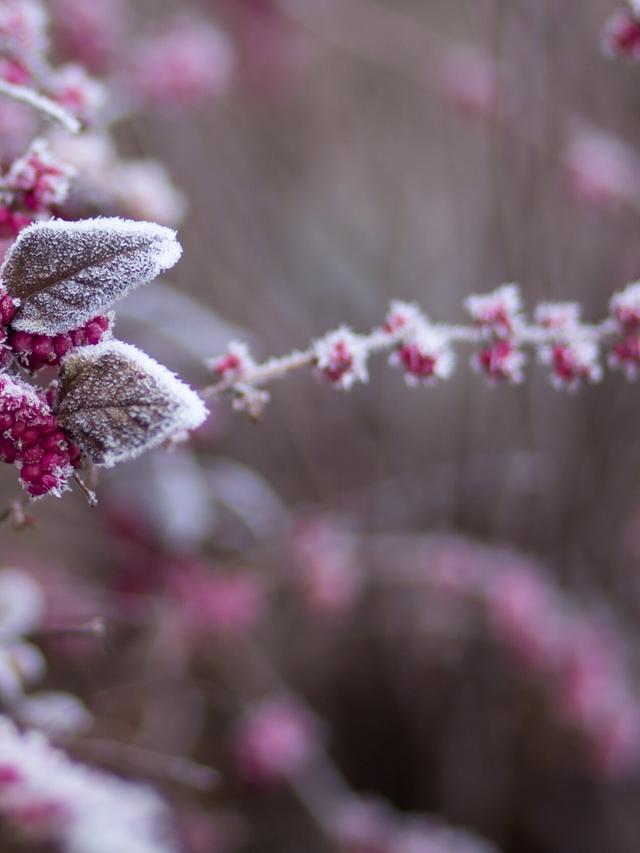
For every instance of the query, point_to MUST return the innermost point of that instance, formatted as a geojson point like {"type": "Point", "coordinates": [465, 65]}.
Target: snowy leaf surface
{"type": "Point", "coordinates": [65, 273]}
{"type": "Point", "coordinates": [116, 402]}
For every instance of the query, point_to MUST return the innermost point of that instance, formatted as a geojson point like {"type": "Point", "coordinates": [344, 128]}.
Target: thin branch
{"type": "Point", "coordinates": [256, 376]}
{"type": "Point", "coordinates": [44, 105]}
{"type": "Point", "coordinates": [172, 768]}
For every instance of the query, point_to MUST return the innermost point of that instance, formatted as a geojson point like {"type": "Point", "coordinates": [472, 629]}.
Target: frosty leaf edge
{"type": "Point", "coordinates": [115, 418]}
{"type": "Point", "coordinates": [65, 273]}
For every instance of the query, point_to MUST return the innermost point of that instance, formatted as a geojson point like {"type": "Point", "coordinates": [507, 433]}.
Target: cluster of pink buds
{"type": "Point", "coordinates": [23, 26]}
{"type": "Point", "coordinates": [274, 741]}
{"type": "Point", "coordinates": [341, 358]}
{"type": "Point", "coordinates": [625, 310]}
{"type": "Point", "coordinates": [188, 63]}
{"type": "Point", "coordinates": [234, 364]}
{"type": "Point", "coordinates": [568, 649]}
{"type": "Point", "coordinates": [79, 93]}
{"type": "Point", "coordinates": [33, 187]}
{"type": "Point", "coordinates": [424, 352]}
{"type": "Point", "coordinates": [498, 317]}
{"type": "Point", "coordinates": [31, 439]}
{"type": "Point", "coordinates": [23, 34]}
{"type": "Point", "coordinates": [34, 351]}
{"type": "Point", "coordinates": [579, 659]}
{"type": "Point", "coordinates": [572, 355]}
{"type": "Point", "coordinates": [621, 35]}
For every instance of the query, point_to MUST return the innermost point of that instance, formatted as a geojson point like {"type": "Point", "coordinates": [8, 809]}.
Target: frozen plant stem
{"type": "Point", "coordinates": [44, 105]}
{"type": "Point", "coordinates": [426, 350]}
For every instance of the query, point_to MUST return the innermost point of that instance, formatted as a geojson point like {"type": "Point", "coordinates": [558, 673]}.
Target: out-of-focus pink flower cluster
{"type": "Point", "coordinates": [371, 826]}
{"type": "Point", "coordinates": [571, 650]}
{"type": "Point", "coordinates": [327, 570]}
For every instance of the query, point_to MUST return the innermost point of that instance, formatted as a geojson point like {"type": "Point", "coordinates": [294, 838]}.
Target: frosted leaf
{"type": "Point", "coordinates": [65, 273]}
{"type": "Point", "coordinates": [116, 402]}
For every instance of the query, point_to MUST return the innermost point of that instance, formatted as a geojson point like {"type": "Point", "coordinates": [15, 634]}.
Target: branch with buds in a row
{"type": "Point", "coordinates": [501, 334]}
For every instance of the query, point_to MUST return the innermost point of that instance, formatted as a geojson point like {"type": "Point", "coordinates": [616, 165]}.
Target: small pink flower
{"type": "Point", "coordinates": [402, 315]}
{"type": "Point", "coordinates": [234, 364]}
{"type": "Point", "coordinates": [560, 316]}
{"type": "Point", "coordinates": [501, 361]}
{"type": "Point", "coordinates": [625, 308]}
{"type": "Point", "coordinates": [425, 355]}
{"type": "Point", "coordinates": [621, 34]}
{"type": "Point", "coordinates": [81, 94]}
{"type": "Point", "coordinates": [41, 179]}
{"type": "Point", "coordinates": [572, 362]}
{"type": "Point", "coordinates": [341, 358]}
{"type": "Point", "coordinates": [275, 740]}
{"type": "Point", "coordinates": [625, 355]}
{"type": "Point", "coordinates": [496, 313]}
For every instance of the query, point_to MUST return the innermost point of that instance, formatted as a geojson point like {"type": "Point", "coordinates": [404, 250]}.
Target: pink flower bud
{"type": "Point", "coordinates": [79, 93]}
{"type": "Point", "coordinates": [498, 312]}
{"type": "Point", "coordinates": [425, 355]}
{"type": "Point", "coordinates": [341, 358]}
{"type": "Point", "coordinates": [501, 361]}
{"type": "Point", "coordinates": [275, 740]}
{"type": "Point", "coordinates": [573, 362]}
{"type": "Point", "coordinates": [39, 177]}
{"type": "Point", "coordinates": [402, 315]}
{"type": "Point", "coordinates": [234, 364]}
{"type": "Point", "coordinates": [621, 35]}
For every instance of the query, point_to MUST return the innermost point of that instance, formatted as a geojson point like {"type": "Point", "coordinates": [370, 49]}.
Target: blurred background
{"type": "Point", "coordinates": [381, 614]}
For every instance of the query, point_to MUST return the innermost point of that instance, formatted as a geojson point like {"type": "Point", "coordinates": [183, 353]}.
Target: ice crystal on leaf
{"type": "Point", "coordinates": [117, 402]}
{"type": "Point", "coordinates": [66, 273]}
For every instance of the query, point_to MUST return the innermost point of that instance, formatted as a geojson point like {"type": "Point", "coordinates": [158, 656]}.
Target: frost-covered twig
{"type": "Point", "coordinates": [425, 350]}
{"type": "Point", "coordinates": [44, 105]}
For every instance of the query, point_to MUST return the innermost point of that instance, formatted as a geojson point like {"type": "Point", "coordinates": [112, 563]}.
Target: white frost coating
{"type": "Point", "coordinates": [184, 410]}
{"type": "Point", "coordinates": [56, 713]}
{"type": "Point", "coordinates": [168, 252]}
{"type": "Point", "coordinates": [98, 812]}
{"type": "Point", "coordinates": [21, 603]}
{"type": "Point", "coordinates": [65, 273]}
{"type": "Point", "coordinates": [44, 105]}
